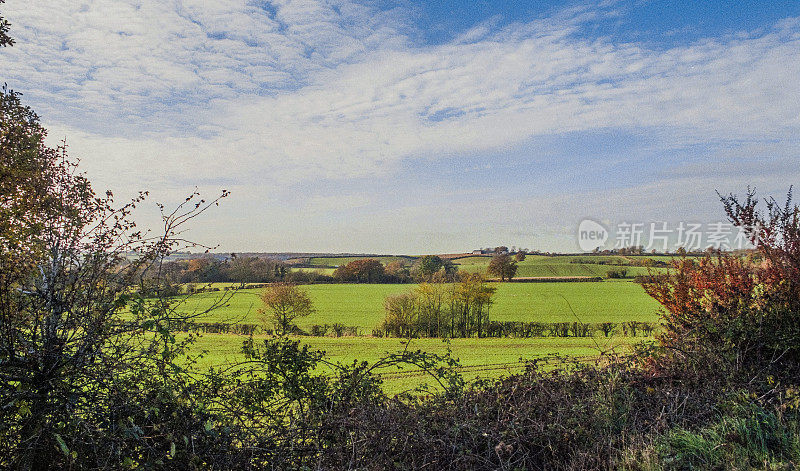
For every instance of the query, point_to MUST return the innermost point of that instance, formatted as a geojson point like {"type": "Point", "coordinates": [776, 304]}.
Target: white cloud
{"type": "Point", "coordinates": [154, 94]}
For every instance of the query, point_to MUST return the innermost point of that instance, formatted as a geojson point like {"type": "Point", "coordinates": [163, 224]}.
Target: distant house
{"type": "Point", "coordinates": [477, 252]}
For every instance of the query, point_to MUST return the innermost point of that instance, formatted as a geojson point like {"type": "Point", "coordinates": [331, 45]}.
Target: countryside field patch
{"type": "Point", "coordinates": [361, 305]}
{"type": "Point", "coordinates": [503, 354]}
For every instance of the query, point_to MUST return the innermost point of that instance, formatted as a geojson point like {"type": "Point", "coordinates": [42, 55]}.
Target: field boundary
{"type": "Point", "coordinates": [550, 279]}
{"type": "Point", "coordinates": [510, 365]}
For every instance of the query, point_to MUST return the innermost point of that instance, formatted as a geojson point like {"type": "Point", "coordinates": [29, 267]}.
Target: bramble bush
{"type": "Point", "coordinates": [737, 313]}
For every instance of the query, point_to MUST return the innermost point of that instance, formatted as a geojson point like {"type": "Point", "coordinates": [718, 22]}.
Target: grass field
{"type": "Point", "coordinates": [503, 355]}
{"type": "Point", "coordinates": [562, 265]}
{"type": "Point", "coordinates": [362, 304]}
{"type": "Point", "coordinates": [338, 261]}
{"type": "Point", "coordinates": [320, 270]}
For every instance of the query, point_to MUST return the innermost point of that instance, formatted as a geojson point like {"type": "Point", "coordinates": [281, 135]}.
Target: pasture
{"type": "Point", "coordinates": [533, 266]}
{"type": "Point", "coordinates": [561, 265]}
{"type": "Point", "coordinates": [339, 261]}
{"type": "Point", "coordinates": [361, 305]}
{"type": "Point", "coordinates": [485, 358]}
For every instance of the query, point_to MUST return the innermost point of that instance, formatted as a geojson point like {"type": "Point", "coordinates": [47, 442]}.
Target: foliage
{"type": "Point", "coordinates": [502, 265]}
{"type": "Point", "coordinates": [440, 310]}
{"type": "Point", "coordinates": [207, 269]}
{"type": "Point", "coordinates": [5, 39]}
{"type": "Point", "coordinates": [76, 377]}
{"type": "Point", "coordinates": [398, 272]}
{"type": "Point", "coordinates": [432, 267]}
{"type": "Point", "coordinates": [283, 303]}
{"type": "Point", "coordinates": [747, 437]}
{"type": "Point", "coordinates": [367, 270]}
{"type": "Point", "coordinates": [617, 274]}
{"type": "Point", "coordinates": [738, 314]}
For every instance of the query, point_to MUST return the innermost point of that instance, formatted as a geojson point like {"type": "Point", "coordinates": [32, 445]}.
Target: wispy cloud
{"type": "Point", "coordinates": [269, 94]}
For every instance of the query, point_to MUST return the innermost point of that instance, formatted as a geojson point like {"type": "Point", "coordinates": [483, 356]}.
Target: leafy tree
{"type": "Point", "coordinates": [440, 309]}
{"type": "Point", "coordinates": [503, 266]}
{"type": "Point", "coordinates": [428, 266]}
{"type": "Point", "coordinates": [402, 314]}
{"type": "Point", "coordinates": [470, 305]}
{"type": "Point", "coordinates": [519, 256]}
{"type": "Point", "coordinates": [365, 270]}
{"type": "Point", "coordinates": [74, 341]}
{"type": "Point", "coordinates": [5, 39]}
{"type": "Point", "coordinates": [398, 272]}
{"type": "Point", "coordinates": [283, 303]}
{"type": "Point", "coordinates": [28, 180]}
{"type": "Point", "coordinates": [250, 270]}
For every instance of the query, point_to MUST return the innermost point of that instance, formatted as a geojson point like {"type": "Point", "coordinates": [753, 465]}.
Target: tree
{"type": "Point", "coordinates": [503, 266]}
{"type": "Point", "coordinates": [501, 249]}
{"type": "Point", "coordinates": [28, 174]}
{"type": "Point", "coordinates": [5, 39]}
{"type": "Point", "coordinates": [398, 272]}
{"type": "Point", "coordinates": [250, 270]}
{"type": "Point", "coordinates": [78, 346]}
{"type": "Point", "coordinates": [470, 303]}
{"type": "Point", "coordinates": [427, 266]}
{"type": "Point", "coordinates": [283, 303]}
{"type": "Point", "coordinates": [402, 315]}
{"type": "Point", "coordinates": [365, 270]}
{"type": "Point", "coordinates": [519, 256]}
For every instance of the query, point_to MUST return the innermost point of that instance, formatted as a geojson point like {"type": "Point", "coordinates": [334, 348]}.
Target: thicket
{"type": "Point", "coordinates": [428, 268]}
{"type": "Point", "coordinates": [443, 310]}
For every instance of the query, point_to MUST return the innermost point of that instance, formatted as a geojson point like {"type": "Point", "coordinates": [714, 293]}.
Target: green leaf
{"type": "Point", "coordinates": [62, 445]}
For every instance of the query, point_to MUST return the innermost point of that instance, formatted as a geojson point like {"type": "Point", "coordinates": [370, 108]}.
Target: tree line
{"type": "Point", "coordinates": [459, 309]}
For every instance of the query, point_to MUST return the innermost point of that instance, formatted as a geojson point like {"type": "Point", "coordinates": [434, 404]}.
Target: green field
{"type": "Point", "coordinates": [362, 304]}
{"type": "Point", "coordinates": [561, 265]}
{"type": "Point", "coordinates": [503, 355]}
{"type": "Point", "coordinates": [338, 261]}
{"type": "Point", "coordinates": [320, 270]}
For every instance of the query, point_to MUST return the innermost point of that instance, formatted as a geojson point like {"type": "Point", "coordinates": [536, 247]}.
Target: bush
{"type": "Point", "coordinates": [319, 330]}
{"type": "Point", "coordinates": [617, 273]}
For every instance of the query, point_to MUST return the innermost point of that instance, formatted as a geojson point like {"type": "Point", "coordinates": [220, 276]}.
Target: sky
{"type": "Point", "coordinates": [417, 127]}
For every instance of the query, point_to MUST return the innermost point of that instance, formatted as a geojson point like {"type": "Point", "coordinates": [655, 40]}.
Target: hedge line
{"type": "Point", "coordinates": [495, 329]}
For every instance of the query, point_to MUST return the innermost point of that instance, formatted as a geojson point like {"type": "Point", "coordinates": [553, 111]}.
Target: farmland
{"type": "Point", "coordinates": [337, 261]}
{"type": "Point", "coordinates": [559, 266]}
{"type": "Point", "coordinates": [532, 266]}
{"type": "Point", "coordinates": [480, 357]}
{"type": "Point", "coordinates": [361, 305]}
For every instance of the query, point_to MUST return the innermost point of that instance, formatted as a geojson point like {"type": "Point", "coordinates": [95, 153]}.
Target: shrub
{"type": "Point", "coordinates": [617, 273]}
{"type": "Point", "coordinates": [319, 330]}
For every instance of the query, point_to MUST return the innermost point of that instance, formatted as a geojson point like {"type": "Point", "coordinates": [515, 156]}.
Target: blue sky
{"type": "Point", "coordinates": [409, 127]}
